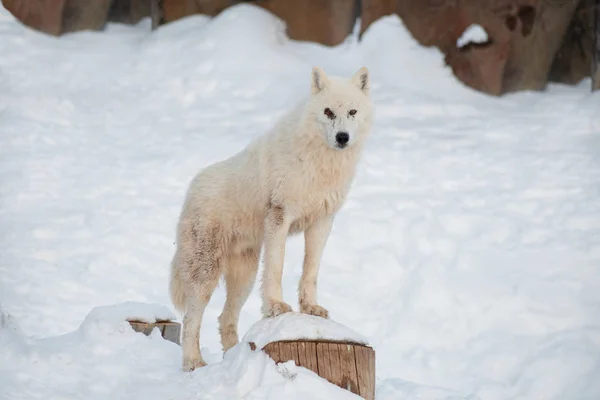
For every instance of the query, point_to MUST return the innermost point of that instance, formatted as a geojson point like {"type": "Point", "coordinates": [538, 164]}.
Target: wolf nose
{"type": "Point", "coordinates": [342, 138]}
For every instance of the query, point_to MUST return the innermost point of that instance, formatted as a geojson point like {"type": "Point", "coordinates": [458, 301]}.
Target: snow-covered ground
{"type": "Point", "coordinates": [468, 253]}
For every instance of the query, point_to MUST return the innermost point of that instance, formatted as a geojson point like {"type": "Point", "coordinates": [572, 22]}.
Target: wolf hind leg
{"type": "Point", "coordinates": [240, 277]}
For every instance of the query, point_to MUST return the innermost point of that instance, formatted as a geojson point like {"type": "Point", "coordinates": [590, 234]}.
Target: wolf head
{"type": "Point", "coordinates": [341, 108]}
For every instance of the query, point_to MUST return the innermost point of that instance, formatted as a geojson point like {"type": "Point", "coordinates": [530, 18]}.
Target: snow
{"type": "Point", "coordinates": [101, 360]}
{"type": "Point", "coordinates": [473, 34]}
{"type": "Point", "coordinates": [292, 326]}
{"type": "Point", "coordinates": [131, 311]}
{"type": "Point", "coordinates": [467, 253]}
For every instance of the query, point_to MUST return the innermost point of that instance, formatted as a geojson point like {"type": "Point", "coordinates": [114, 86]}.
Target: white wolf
{"type": "Point", "coordinates": [294, 179]}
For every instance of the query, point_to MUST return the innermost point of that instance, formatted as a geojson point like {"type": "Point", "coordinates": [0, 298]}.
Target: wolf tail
{"type": "Point", "coordinates": [176, 289]}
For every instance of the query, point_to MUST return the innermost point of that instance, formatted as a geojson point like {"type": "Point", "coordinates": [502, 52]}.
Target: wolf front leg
{"type": "Point", "coordinates": [315, 238]}
{"type": "Point", "coordinates": [277, 227]}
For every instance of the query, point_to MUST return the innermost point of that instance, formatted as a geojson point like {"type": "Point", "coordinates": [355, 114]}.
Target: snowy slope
{"type": "Point", "coordinates": [468, 252]}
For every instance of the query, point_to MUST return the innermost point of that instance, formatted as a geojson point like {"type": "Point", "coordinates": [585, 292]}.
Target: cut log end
{"type": "Point", "coordinates": [350, 366]}
{"type": "Point", "coordinates": [169, 330]}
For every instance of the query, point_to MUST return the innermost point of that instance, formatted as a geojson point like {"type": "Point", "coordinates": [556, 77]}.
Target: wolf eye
{"type": "Point", "coordinates": [329, 113]}
{"type": "Point", "coordinates": [352, 112]}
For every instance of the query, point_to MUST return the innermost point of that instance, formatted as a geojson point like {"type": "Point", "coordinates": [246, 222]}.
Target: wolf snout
{"type": "Point", "coordinates": [342, 138]}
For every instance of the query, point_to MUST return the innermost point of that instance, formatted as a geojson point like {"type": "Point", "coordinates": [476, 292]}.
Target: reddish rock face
{"type": "Point", "coordinates": [175, 9]}
{"type": "Point", "coordinates": [43, 15]}
{"type": "Point", "coordinates": [81, 15]}
{"type": "Point", "coordinates": [372, 10]}
{"type": "Point", "coordinates": [483, 66]}
{"type": "Point", "coordinates": [441, 22]}
{"type": "Point", "coordinates": [524, 36]}
{"type": "Point", "coordinates": [530, 41]}
{"type": "Point", "coordinates": [327, 22]}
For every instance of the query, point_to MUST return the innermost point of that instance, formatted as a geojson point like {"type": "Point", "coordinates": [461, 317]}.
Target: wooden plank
{"type": "Point", "coordinates": [272, 349]}
{"type": "Point", "coordinates": [334, 362]}
{"type": "Point", "coordinates": [172, 332]}
{"type": "Point", "coordinates": [365, 367]}
{"type": "Point", "coordinates": [142, 327]}
{"type": "Point", "coordinates": [294, 352]}
{"type": "Point", "coordinates": [348, 368]}
{"type": "Point", "coordinates": [169, 330]}
{"type": "Point", "coordinates": [285, 352]}
{"type": "Point", "coordinates": [307, 356]}
{"type": "Point", "coordinates": [323, 361]}
{"type": "Point", "coordinates": [596, 55]}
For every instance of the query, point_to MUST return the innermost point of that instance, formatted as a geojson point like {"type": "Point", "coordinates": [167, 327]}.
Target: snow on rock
{"type": "Point", "coordinates": [473, 34]}
{"type": "Point", "coordinates": [298, 326]}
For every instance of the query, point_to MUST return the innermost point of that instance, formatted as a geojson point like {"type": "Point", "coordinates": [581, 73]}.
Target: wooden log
{"type": "Point", "coordinates": [350, 366]}
{"type": "Point", "coordinates": [169, 330]}
{"type": "Point", "coordinates": [596, 58]}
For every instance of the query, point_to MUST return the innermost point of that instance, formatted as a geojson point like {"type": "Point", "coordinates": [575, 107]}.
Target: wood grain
{"type": "Point", "coordinates": [169, 330]}
{"type": "Point", "coordinates": [350, 366]}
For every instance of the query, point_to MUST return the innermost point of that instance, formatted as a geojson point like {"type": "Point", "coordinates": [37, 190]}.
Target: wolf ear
{"type": "Point", "coordinates": [319, 80]}
{"type": "Point", "coordinates": [361, 80]}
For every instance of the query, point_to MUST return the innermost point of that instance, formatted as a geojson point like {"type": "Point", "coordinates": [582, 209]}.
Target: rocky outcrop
{"type": "Point", "coordinates": [43, 15]}
{"type": "Point", "coordinates": [327, 22]}
{"type": "Point", "coordinates": [524, 37]}
{"type": "Point", "coordinates": [176, 9]}
{"type": "Point", "coordinates": [79, 15]}
{"type": "Point", "coordinates": [529, 42]}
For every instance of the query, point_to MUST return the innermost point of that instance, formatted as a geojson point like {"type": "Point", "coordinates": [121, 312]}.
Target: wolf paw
{"type": "Point", "coordinates": [229, 337]}
{"type": "Point", "coordinates": [313, 309]}
{"type": "Point", "coordinates": [190, 364]}
{"type": "Point", "coordinates": [275, 308]}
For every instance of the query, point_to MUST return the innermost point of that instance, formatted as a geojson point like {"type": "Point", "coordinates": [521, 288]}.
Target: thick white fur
{"type": "Point", "coordinates": [293, 179]}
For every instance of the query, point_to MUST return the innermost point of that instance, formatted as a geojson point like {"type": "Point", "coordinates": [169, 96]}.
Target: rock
{"type": "Point", "coordinates": [328, 22]}
{"type": "Point", "coordinates": [573, 60]}
{"type": "Point", "coordinates": [524, 36]}
{"type": "Point", "coordinates": [79, 15]}
{"type": "Point", "coordinates": [42, 15]}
